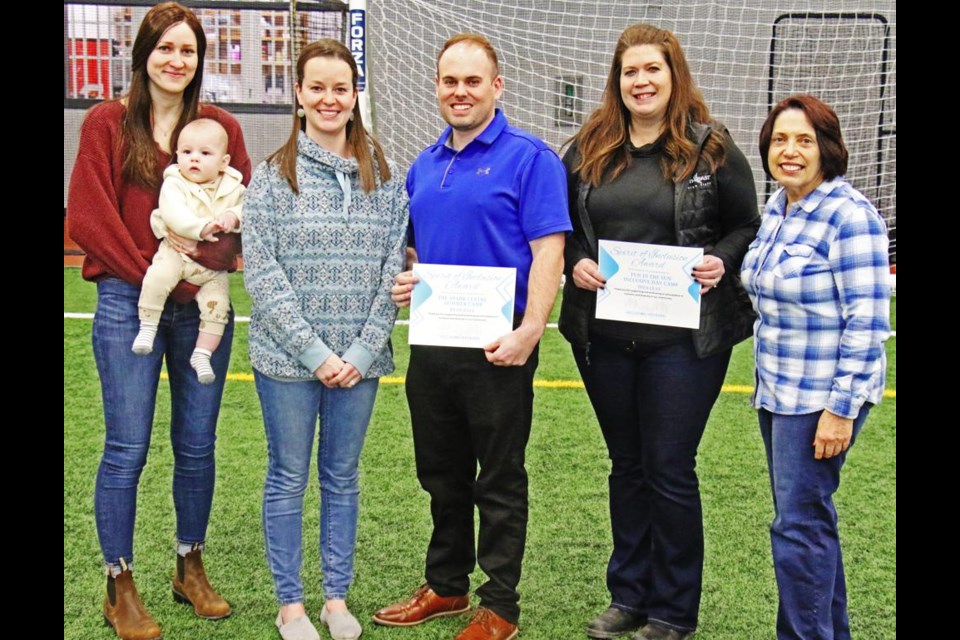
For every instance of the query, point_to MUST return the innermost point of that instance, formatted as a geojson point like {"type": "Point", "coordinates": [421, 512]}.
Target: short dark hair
{"type": "Point", "coordinates": [476, 40]}
{"type": "Point", "coordinates": [826, 124]}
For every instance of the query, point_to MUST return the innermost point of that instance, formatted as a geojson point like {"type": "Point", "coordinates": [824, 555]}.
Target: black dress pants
{"type": "Point", "coordinates": [467, 413]}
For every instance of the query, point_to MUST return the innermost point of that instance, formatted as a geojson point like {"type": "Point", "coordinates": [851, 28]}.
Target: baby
{"type": "Point", "coordinates": [200, 197]}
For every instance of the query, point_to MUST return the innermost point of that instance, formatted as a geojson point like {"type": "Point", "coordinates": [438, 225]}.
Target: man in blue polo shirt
{"type": "Point", "coordinates": [485, 194]}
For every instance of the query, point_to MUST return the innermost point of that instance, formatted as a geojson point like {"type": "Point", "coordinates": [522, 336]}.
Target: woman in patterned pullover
{"type": "Point", "coordinates": [325, 234]}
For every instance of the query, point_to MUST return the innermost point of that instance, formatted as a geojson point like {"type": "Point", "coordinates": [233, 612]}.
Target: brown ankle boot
{"type": "Point", "coordinates": [123, 610]}
{"type": "Point", "coordinates": [190, 586]}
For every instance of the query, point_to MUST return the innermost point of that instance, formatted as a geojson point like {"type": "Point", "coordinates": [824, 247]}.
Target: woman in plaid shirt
{"type": "Point", "coordinates": [818, 278]}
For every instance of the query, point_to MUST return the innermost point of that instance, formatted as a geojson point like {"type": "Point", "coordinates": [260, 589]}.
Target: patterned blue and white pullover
{"type": "Point", "coordinates": [319, 265]}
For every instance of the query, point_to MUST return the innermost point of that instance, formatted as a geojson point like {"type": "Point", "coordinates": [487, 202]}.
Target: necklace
{"type": "Point", "coordinates": [165, 131]}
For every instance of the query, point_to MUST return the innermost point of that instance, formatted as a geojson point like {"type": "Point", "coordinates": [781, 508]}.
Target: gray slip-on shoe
{"type": "Point", "coordinates": [300, 628]}
{"type": "Point", "coordinates": [342, 624]}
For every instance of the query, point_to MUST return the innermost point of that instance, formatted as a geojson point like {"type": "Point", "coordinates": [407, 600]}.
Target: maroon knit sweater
{"type": "Point", "coordinates": [108, 217]}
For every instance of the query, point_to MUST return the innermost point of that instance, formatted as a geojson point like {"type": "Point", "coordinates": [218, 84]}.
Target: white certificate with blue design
{"type": "Point", "coordinates": [649, 284]}
{"type": "Point", "coordinates": [456, 306]}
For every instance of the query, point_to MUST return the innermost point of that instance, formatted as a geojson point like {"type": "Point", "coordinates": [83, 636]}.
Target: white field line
{"type": "Point", "coordinates": [401, 323]}
{"type": "Point", "coordinates": [89, 316]}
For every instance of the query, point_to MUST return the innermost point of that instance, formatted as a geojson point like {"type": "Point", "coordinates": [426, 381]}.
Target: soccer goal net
{"type": "Point", "coordinates": [745, 56]}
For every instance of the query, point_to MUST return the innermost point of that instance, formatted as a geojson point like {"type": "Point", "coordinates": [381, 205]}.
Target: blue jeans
{"type": "Point", "coordinates": [129, 386]}
{"type": "Point", "coordinates": [652, 405]}
{"type": "Point", "coordinates": [290, 411]}
{"type": "Point", "coordinates": [804, 535]}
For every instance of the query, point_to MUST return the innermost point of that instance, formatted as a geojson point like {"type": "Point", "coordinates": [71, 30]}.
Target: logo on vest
{"type": "Point", "coordinates": [698, 181]}
{"type": "Point", "coordinates": [483, 171]}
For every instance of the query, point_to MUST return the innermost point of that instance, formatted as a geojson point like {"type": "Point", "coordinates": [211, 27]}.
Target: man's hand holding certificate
{"type": "Point", "coordinates": [649, 283]}
{"type": "Point", "coordinates": [456, 306]}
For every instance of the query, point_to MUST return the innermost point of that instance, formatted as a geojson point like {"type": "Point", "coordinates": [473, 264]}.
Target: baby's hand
{"type": "Point", "coordinates": [210, 230]}
{"type": "Point", "coordinates": [228, 221]}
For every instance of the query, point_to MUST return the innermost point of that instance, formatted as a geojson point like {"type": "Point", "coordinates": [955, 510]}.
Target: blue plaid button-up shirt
{"type": "Point", "coordinates": [818, 276]}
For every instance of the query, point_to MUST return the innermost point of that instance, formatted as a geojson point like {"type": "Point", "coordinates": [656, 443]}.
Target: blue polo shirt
{"type": "Point", "coordinates": [482, 205]}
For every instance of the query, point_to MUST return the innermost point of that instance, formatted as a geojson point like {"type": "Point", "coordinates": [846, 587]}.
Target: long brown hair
{"type": "Point", "coordinates": [140, 159]}
{"type": "Point", "coordinates": [358, 141]}
{"type": "Point", "coordinates": [602, 142]}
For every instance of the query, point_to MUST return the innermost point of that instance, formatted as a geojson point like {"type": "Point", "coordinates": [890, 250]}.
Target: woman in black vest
{"type": "Point", "coordinates": [650, 166]}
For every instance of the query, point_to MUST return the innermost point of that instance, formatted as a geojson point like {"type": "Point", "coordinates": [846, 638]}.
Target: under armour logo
{"type": "Point", "coordinates": [483, 171]}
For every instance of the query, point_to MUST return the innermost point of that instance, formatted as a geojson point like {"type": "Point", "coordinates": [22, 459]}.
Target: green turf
{"type": "Point", "coordinates": [569, 540]}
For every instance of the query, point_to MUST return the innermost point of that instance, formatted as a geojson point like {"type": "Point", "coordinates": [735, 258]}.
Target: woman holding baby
{"type": "Point", "coordinates": [125, 146]}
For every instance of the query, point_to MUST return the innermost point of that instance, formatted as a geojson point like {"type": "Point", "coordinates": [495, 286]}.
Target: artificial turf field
{"type": "Point", "coordinates": [568, 540]}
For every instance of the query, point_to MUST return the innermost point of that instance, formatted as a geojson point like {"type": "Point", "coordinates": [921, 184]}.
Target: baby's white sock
{"type": "Point", "coordinates": [200, 361]}
{"type": "Point", "coordinates": [143, 343]}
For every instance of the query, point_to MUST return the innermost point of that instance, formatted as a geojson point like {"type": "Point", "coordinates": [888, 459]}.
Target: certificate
{"type": "Point", "coordinates": [454, 306]}
{"type": "Point", "coordinates": [649, 284]}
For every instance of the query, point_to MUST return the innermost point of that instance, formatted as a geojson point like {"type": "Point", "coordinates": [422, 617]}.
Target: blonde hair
{"type": "Point", "coordinates": [208, 126]}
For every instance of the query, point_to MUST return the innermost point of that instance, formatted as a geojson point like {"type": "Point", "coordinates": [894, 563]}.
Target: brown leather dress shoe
{"type": "Point", "coordinates": [123, 610]}
{"type": "Point", "coordinates": [424, 605]}
{"type": "Point", "coordinates": [190, 586]}
{"type": "Point", "coordinates": [486, 625]}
